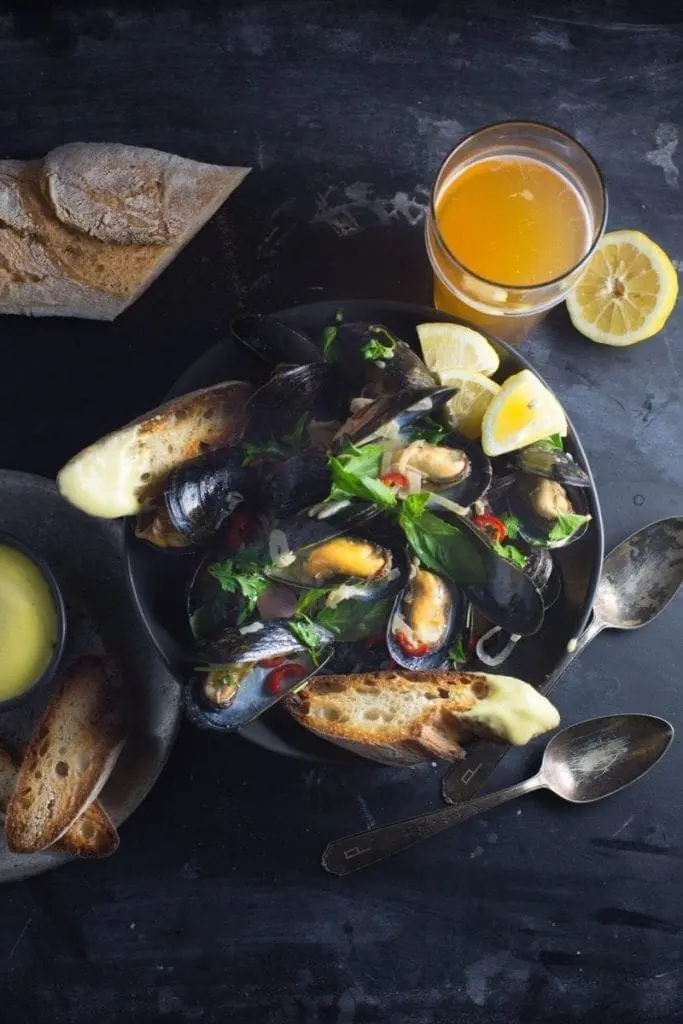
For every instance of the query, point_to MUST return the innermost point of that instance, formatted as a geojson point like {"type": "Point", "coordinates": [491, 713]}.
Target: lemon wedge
{"type": "Point", "coordinates": [522, 412]}
{"type": "Point", "coordinates": [627, 291]}
{"type": "Point", "coordinates": [465, 411]}
{"type": "Point", "coordinates": [447, 347]}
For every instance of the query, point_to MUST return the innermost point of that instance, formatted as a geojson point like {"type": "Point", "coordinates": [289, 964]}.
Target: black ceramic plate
{"type": "Point", "coordinates": [159, 578]}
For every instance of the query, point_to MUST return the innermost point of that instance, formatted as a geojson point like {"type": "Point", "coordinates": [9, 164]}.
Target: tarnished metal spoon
{"type": "Point", "coordinates": [581, 764]}
{"type": "Point", "coordinates": [638, 579]}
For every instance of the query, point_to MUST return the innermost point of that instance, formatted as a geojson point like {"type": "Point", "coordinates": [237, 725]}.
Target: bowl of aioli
{"type": "Point", "coordinates": [32, 622]}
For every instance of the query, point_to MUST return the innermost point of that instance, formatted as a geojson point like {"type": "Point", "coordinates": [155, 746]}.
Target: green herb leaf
{"type": "Point", "coordinates": [355, 618]}
{"type": "Point", "coordinates": [329, 338]}
{"type": "Point", "coordinates": [243, 572]}
{"type": "Point", "coordinates": [457, 652]}
{"type": "Point", "coordinates": [309, 600]}
{"type": "Point", "coordinates": [429, 430]}
{"type": "Point", "coordinates": [510, 552]}
{"type": "Point", "coordinates": [553, 441]}
{"type": "Point", "coordinates": [302, 628]}
{"type": "Point", "coordinates": [512, 525]}
{"type": "Point", "coordinates": [288, 445]}
{"type": "Point", "coordinates": [355, 475]}
{"type": "Point", "coordinates": [442, 546]}
{"type": "Point", "coordinates": [566, 525]}
{"type": "Point", "coordinates": [374, 350]}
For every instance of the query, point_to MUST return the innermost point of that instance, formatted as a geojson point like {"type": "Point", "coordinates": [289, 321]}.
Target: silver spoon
{"type": "Point", "coordinates": [583, 763]}
{"type": "Point", "coordinates": [638, 579]}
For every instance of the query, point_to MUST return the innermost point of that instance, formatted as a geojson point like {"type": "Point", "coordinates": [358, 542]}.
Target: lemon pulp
{"type": "Point", "coordinates": [28, 622]}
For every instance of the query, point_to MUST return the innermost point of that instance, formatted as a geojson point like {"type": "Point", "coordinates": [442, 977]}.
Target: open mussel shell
{"type": "Point", "coordinates": [274, 341]}
{"type": "Point", "coordinates": [544, 573]}
{"type": "Point", "coordinates": [201, 494]}
{"type": "Point", "coordinates": [333, 560]}
{"type": "Point", "coordinates": [252, 696]}
{"type": "Point", "coordinates": [456, 468]}
{"type": "Point", "coordinates": [427, 614]}
{"type": "Point", "coordinates": [403, 370]}
{"type": "Point", "coordinates": [552, 464]}
{"type": "Point", "coordinates": [534, 528]}
{"type": "Point", "coordinates": [285, 488]}
{"type": "Point", "coordinates": [392, 416]}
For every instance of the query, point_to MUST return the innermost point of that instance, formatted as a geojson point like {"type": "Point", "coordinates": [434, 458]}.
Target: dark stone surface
{"type": "Point", "coordinates": [216, 908]}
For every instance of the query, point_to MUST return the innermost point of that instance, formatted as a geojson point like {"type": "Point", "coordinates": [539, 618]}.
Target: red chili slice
{"type": "Point", "coordinates": [394, 480]}
{"type": "Point", "coordinates": [409, 647]}
{"type": "Point", "coordinates": [280, 676]}
{"type": "Point", "coordinates": [493, 525]}
{"type": "Point", "coordinates": [273, 662]}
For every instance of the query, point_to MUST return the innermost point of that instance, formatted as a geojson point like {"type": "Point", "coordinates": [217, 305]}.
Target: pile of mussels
{"type": "Point", "coordinates": [352, 530]}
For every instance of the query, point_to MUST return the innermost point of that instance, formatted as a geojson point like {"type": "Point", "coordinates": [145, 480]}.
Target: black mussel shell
{"type": "Point", "coordinates": [404, 370]}
{"type": "Point", "coordinates": [285, 488]}
{"type": "Point", "coordinates": [508, 598]}
{"type": "Point", "coordinates": [251, 699]}
{"type": "Point", "coordinates": [274, 341]}
{"type": "Point", "coordinates": [454, 618]}
{"type": "Point", "coordinates": [200, 495]}
{"type": "Point", "coordinates": [552, 464]}
{"type": "Point", "coordinates": [276, 408]}
{"type": "Point", "coordinates": [271, 639]}
{"type": "Point", "coordinates": [536, 529]}
{"type": "Point", "coordinates": [391, 416]}
{"type": "Point", "coordinates": [544, 574]}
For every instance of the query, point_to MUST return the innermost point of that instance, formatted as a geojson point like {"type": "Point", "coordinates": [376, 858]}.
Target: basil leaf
{"type": "Point", "coordinates": [566, 525]}
{"type": "Point", "coordinates": [443, 547]}
{"type": "Point", "coordinates": [355, 476]}
{"type": "Point", "coordinates": [365, 461]}
{"type": "Point", "coordinates": [263, 450]}
{"type": "Point", "coordinates": [457, 652]}
{"type": "Point", "coordinates": [555, 441]}
{"type": "Point", "coordinates": [330, 334]}
{"type": "Point", "coordinates": [510, 552]}
{"type": "Point", "coordinates": [512, 525]}
{"type": "Point", "coordinates": [356, 619]}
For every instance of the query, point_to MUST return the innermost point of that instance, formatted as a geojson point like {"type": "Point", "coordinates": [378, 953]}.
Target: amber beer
{"type": "Point", "coordinates": [516, 211]}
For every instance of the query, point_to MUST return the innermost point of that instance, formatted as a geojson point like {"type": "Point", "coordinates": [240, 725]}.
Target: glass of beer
{"type": "Point", "coordinates": [515, 213]}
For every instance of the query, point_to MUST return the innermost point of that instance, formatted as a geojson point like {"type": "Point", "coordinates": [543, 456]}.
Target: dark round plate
{"type": "Point", "coordinates": [158, 578]}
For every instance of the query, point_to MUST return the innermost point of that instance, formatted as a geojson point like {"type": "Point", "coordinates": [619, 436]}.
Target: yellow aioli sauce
{"type": "Point", "coordinates": [28, 622]}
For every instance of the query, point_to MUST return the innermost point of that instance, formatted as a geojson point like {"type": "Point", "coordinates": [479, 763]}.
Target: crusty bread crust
{"type": "Point", "coordinates": [433, 730]}
{"type": "Point", "coordinates": [91, 835]}
{"type": "Point", "coordinates": [86, 230]}
{"type": "Point", "coordinates": [70, 756]}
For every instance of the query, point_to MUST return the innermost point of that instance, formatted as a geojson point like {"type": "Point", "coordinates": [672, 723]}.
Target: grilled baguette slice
{"type": "Point", "coordinates": [91, 835]}
{"type": "Point", "coordinates": [72, 751]}
{"type": "Point", "coordinates": [401, 717]}
{"type": "Point", "coordinates": [120, 474]}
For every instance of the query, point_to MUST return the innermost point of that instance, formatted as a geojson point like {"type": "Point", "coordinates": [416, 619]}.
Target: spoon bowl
{"type": "Point", "coordinates": [641, 576]}
{"type": "Point", "coordinates": [595, 759]}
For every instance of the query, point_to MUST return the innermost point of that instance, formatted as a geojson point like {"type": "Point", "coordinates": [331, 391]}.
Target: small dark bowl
{"type": "Point", "coordinates": [53, 664]}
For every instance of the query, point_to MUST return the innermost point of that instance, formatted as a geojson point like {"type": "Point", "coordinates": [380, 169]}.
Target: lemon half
{"type": "Point", "coordinates": [448, 347]}
{"type": "Point", "coordinates": [522, 412]}
{"type": "Point", "coordinates": [627, 291]}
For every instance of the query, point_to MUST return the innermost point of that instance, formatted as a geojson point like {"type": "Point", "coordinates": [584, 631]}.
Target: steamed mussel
{"type": "Point", "coordinates": [341, 558]}
{"type": "Point", "coordinates": [426, 615]}
{"type": "Point", "coordinates": [454, 467]}
{"type": "Point", "coordinates": [378, 362]}
{"type": "Point", "coordinates": [201, 495]}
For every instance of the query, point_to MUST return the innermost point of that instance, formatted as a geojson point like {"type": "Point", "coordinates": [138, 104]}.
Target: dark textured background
{"type": "Point", "coordinates": [215, 908]}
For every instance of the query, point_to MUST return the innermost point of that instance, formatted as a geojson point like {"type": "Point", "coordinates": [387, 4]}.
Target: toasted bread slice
{"type": "Point", "coordinates": [69, 758]}
{"type": "Point", "coordinates": [401, 717]}
{"type": "Point", "coordinates": [120, 474]}
{"type": "Point", "coordinates": [91, 835]}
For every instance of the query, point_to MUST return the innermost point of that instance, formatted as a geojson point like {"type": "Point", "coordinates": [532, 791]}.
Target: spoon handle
{"type": "Point", "coordinates": [464, 780]}
{"type": "Point", "coordinates": [344, 856]}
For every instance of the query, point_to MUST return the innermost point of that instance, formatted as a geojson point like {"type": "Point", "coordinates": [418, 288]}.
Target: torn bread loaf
{"type": "Point", "coordinates": [70, 756]}
{"type": "Point", "coordinates": [86, 230]}
{"type": "Point", "coordinates": [122, 473]}
{"type": "Point", "coordinates": [91, 835]}
{"type": "Point", "coordinates": [398, 717]}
